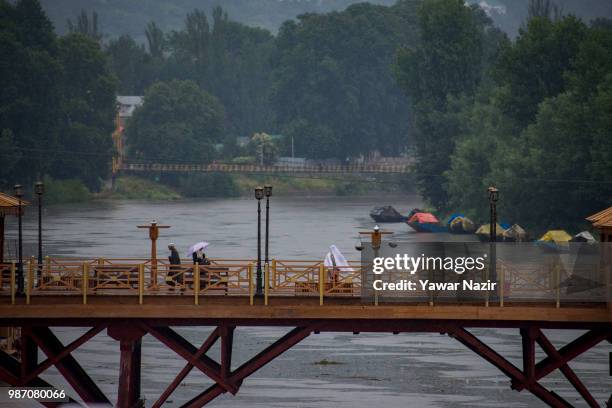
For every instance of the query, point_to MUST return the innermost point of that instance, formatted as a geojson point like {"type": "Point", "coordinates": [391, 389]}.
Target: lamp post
{"type": "Point", "coordinates": [39, 189]}
{"type": "Point", "coordinates": [493, 197]}
{"type": "Point", "coordinates": [268, 194]}
{"type": "Point", "coordinates": [259, 194]}
{"type": "Point", "coordinates": [19, 194]}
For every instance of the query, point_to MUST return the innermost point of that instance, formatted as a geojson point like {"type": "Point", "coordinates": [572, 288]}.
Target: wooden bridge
{"type": "Point", "coordinates": [130, 298]}
{"type": "Point", "coordinates": [265, 169]}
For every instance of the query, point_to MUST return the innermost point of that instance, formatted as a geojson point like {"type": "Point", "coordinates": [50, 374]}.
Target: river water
{"type": "Point", "coordinates": [406, 370]}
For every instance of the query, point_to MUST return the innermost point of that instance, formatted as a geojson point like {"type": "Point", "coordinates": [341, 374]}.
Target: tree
{"type": "Point", "coordinates": [86, 26]}
{"type": "Point", "coordinates": [448, 63]}
{"type": "Point", "coordinates": [155, 40]}
{"type": "Point", "coordinates": [178, 122]}
{"type": "Point", "coordinates": [263, 148]}
{"type": "Point", "coordinates": [134, 68]}
{"type": "Point", "coordinates": [334, 89]}
{"type": "Point", "coordinates": [29, 77]}
{"type": "Point", "coordinates": [533, 67]}
{"type": "Point", "coordinates": [88, 110]}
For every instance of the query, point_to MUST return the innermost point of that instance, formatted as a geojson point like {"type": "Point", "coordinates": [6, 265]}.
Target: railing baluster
{"type": "Point", "coordinates": [29, 282]}
{"type": "Point", "coordinates": [85, 282]}
{"type": "Point", "coordinates": [250, 273]}
{"type": "Point", "coordinates": [141, 283]}
{"type": "Point", "coordinates": [12, 283]}
{"type": "Point", "coordinates": [321, 283]}
{"type": "Point", "coordinates": [196, 284]}
{"type": "Point", "coordinates": [266, 282]}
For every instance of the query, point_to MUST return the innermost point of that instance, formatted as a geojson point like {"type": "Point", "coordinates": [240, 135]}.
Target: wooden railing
{"type": "Point", "coordinates": [297, 278]}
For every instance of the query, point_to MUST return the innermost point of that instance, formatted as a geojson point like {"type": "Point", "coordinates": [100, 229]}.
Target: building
{"type": "Point", "coordinates": [126, 105]}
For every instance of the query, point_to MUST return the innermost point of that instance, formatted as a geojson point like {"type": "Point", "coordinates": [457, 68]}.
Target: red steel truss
{"type": "Point", "coordinates": [129, 332]}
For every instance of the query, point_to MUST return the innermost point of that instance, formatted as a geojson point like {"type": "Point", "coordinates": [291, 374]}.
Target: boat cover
{"type": "Point", "coordinates": [423, 217]}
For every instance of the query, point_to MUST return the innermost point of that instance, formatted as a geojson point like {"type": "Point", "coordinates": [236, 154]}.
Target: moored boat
{"type": "Point", "coordinates": [387, 214]}
{"type": "Point", "coordinates": [425, 222]}
{"type": "Point", "coordinates": [460, 224]}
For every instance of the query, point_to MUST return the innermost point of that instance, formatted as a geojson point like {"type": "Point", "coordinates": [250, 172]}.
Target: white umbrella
{"type": "Point", "coordinates": [334, 258]}
{"type": "Point", "coordinates": [197, 247]}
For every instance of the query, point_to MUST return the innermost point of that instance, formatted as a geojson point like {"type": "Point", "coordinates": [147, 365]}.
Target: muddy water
{"type": "Point", "coordinates": [406, 370]}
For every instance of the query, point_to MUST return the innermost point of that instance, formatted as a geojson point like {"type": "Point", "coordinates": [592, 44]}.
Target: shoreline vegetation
{"type": "Point", "coordinates": [144, 188]}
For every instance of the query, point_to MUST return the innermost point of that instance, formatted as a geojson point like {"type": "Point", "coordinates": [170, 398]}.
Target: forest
{"type": "Point", "coordinates": [529, 113]}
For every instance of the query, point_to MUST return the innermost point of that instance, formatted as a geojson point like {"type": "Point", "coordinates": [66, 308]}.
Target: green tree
{"type": "Point", "coordinates": [88, 110]}
{"type": "Point", "coordinates": [449, 63]}
{"type": "Point", "coordinates": [86, 26]}
{"type": "Point", "coordinates": [134, 68]}
{"type": "Point", "coordinates": [178, 122]}
{"type": "Point", "coordinates": [155, 40]}
{"type": "Point", "coordinates": [334, 88]}
{"type": "Point", "coordinates": [29, 79]}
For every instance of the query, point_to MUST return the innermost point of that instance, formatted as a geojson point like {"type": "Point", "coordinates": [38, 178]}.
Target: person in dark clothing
{"type": "Point", "coordinates": [174, 259]}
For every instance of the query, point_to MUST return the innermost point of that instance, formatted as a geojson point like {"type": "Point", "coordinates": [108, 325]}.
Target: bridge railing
{"type": "Point", "coordinates": [517, 282]}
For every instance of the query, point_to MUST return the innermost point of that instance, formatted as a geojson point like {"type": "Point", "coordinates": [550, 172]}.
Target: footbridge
{"type": "Point", "coordinates": [131, 298]}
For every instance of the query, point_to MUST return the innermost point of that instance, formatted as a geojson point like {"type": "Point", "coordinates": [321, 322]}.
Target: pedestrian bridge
{"type": "Point", "coordinates": [131, 298]}
{"type": "Point", "coordinates": [265, 169]}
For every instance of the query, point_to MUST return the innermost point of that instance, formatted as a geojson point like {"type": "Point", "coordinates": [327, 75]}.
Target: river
{"type": "Point", "coordinates": [405, 370]}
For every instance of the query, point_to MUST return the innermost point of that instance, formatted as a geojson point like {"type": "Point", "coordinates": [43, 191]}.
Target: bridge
{"type": "Point", "coordinates": [129, 298]}
{"type": "Point", "coordinates": [264, 169]}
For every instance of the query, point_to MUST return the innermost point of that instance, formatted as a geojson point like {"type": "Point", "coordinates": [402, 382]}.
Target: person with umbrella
{"type": "Point", "coordinates": [196, 251]}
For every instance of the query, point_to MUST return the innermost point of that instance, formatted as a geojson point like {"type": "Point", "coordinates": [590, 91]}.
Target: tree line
{"type": "Point", "coordinates": [531, 116]}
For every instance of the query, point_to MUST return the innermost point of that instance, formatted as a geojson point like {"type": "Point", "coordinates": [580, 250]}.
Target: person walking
{"type": "Point", "coordinates": [175, 262]}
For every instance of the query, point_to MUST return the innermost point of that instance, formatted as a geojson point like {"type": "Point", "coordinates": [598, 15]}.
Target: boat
{"type": "Point", "coordinates": [460, 224]}
{"type": "Point", "coordinates": [555, 241]}
{"type": "Point", "coordinates": [584, 236]}
{"type": "Point", "coordinates": [425, 222]}
{"type": "Point", "coordinates": [387, 214]}
{"type": "Point", "coordinates": [515, 233]}
{"type": "Point", "coordinates": [484, 231]}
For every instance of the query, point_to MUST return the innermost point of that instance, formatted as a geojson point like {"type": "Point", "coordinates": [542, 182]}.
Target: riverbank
{"type": "Point", "coordinates": [234, 185]}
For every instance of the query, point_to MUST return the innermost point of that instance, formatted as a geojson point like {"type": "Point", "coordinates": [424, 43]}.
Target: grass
{"type": "Point", "coordinates": [132, 187]}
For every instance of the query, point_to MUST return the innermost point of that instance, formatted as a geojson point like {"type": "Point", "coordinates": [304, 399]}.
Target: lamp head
{"type": "Point", "coordinates": [376, 228]}
{"type": "Point", "coordinates": [18, 190]}
{"type": "Point", "coordinates": [268, 190]}
{"type": "Point", "coordinates": [259, 192]}
{"type": "Point", "coordinates": [39, 188]}
{"type": "Point", "coordinates": [493, 194]}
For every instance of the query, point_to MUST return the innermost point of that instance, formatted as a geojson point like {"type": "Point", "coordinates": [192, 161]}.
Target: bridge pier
{"type": "Point", "coordinates": [130, 341]}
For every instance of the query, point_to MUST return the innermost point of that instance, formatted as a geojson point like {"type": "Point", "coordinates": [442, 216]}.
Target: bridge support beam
{"type": "Point", "coordinates": [130, 340]}
{"type": "Point", "coordinates": [532, 372]}
{"type": "Point", "coordinates": [129, 333]}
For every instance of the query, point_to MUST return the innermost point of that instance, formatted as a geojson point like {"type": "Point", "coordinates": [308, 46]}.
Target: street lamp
{"type": "Point", "coordinates": [259, 194]}
{"type": "Point", "coordinates": [268, 194]}
{"type": "Point", "coordinates": [39, 189]}
{"type": "Point", "coordinates": [493, 197]}
{"type": "Point", "coordinates": [19, 194]}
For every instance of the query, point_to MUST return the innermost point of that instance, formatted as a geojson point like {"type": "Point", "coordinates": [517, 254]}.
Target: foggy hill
{"type": "Point", "coordinates": [118, 17]}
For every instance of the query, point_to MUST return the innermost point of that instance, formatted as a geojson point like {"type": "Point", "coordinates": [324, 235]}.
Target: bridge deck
{"type": "Point", "coordinates": [289, 310]}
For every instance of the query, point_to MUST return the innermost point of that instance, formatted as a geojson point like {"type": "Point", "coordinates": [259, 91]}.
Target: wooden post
{"type": "Point", "coordinates": [12, 283]}
{"type": "Point", "coordinates": [47, 269]}
{"type": "Point", "coordinates": [321, 283]}
{"type": "Point", "coordinates": [266, 282]}
{"type": "Point", "coordinates": [502, 285]}
{"type": "Point", "coordinates": [30, 277]}
{"type": "Point", "coordinates": [196, 284]}
{"type": "Point", "coordinates": [85, 284]}
{"type": "Point", "coordinates": [141, 283]}
{"type": "Point", "coordinates": [250, 273]}
{"type": "Point", "coordinates": [557, 279]}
